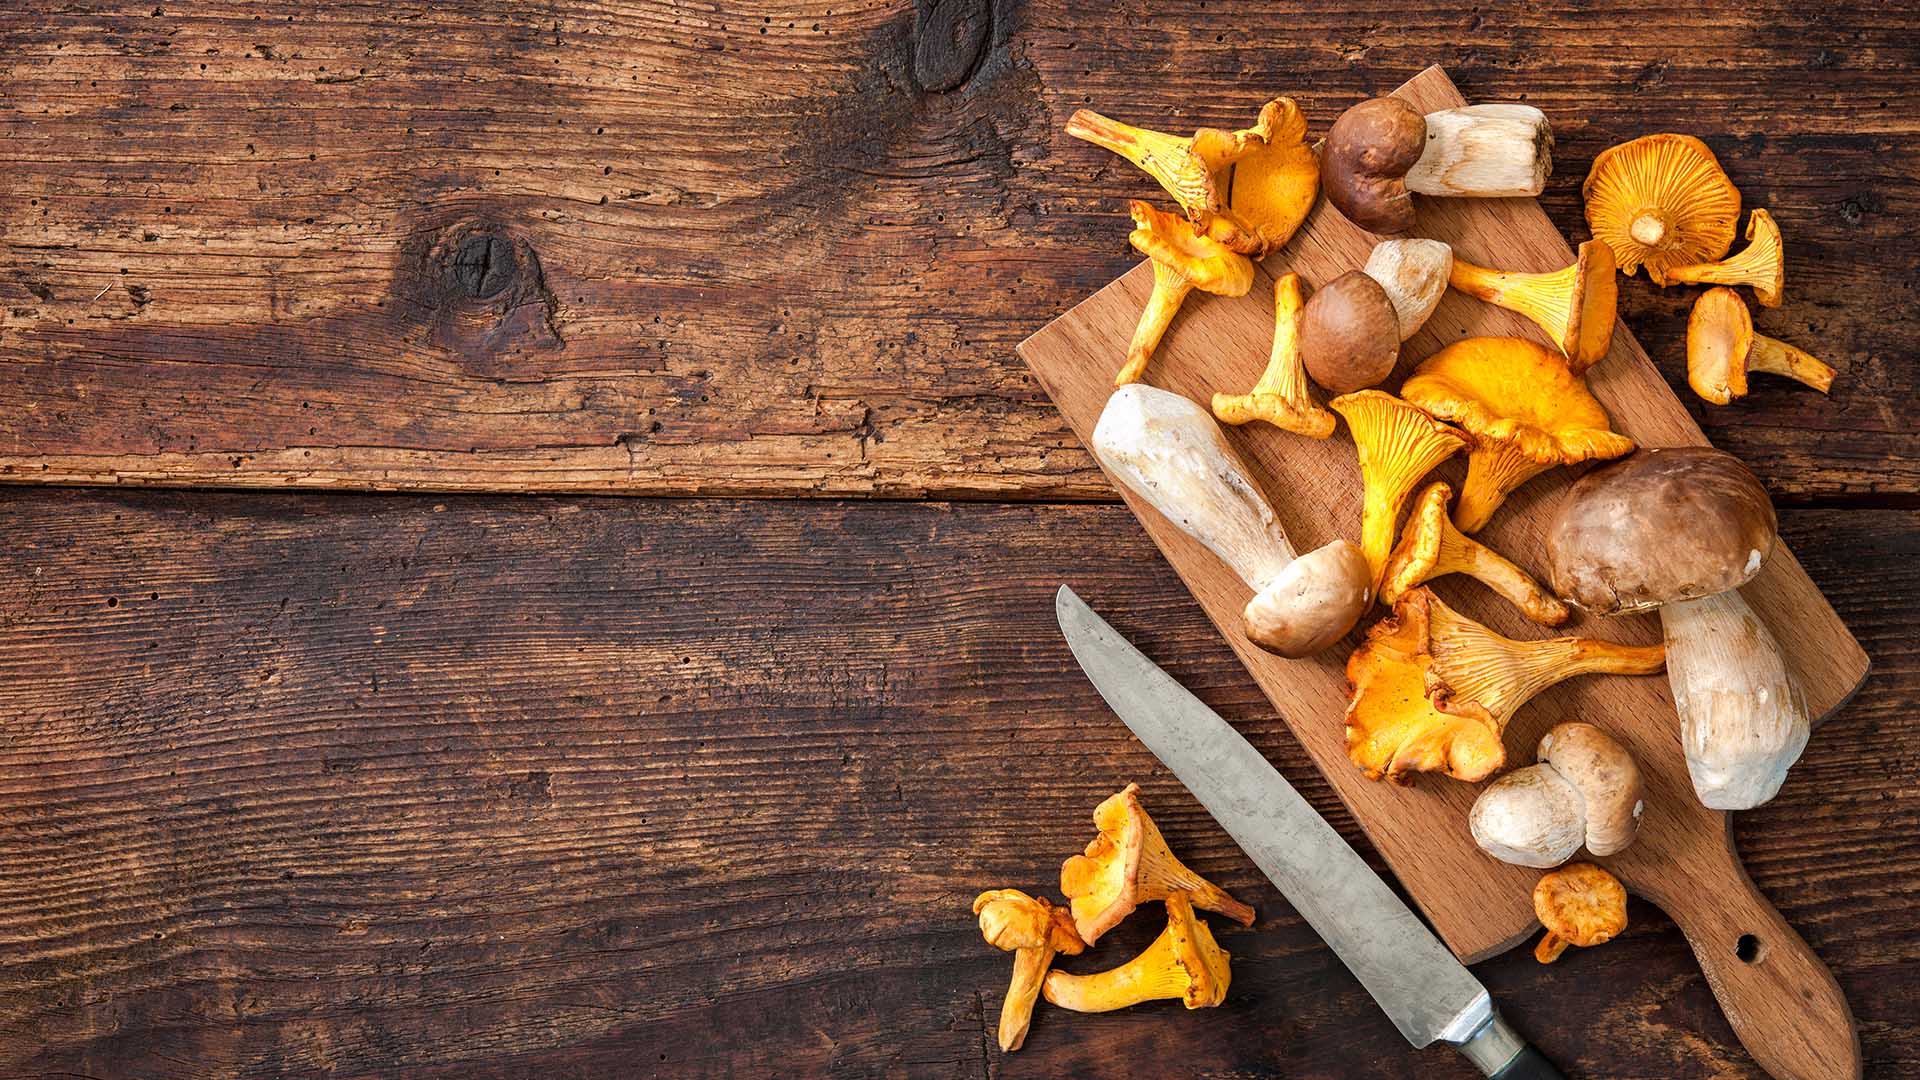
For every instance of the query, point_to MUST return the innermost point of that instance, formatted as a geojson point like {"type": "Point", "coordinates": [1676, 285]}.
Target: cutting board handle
{"type": "Point", "coordinates": [1781, 1000]}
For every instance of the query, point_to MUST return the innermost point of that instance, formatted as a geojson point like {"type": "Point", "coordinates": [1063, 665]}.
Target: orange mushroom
{"type": "Point", "coordinates": [1722, 347]}
{"type": "Point", "coordinates": [1576, 306]}
{"type": "Point", "coordinates": [1129, 864]}
{"type": "Point", "coordinates": [1431, 547]}
{"type": "Point", "coordinates": [1661, 201]}
{"type": "Point", "coordinates": [1182, 262]}
{"type": "Point", "coordinates": [1184, 962]}
{"type": "Point", "coordinates": [1761, 266]}
{"type": "Point", "coordinates": [1280, 397]}
{"type": "Point", "coordinates": [1579, 904]}
{"type": "Point", "coordinates": [1397, 443]}
{"type": "Point", "coordinates": [1033, 930]}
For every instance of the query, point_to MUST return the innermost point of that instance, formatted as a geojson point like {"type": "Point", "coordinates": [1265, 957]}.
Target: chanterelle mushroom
{"type": "Point", "coordinates": [1033, 930]}
{"type": "Point", "coordinates": [1280, 397]}
{"type": "Point", "coordinates": [1762, 266]}
{"type": "Point", "coordinates": [1576, 306]}
{"type": "Point", "coordinates": [1433, 690]}
{"type": "Point", "coordinates": [1167, 450]}
{"type": "Point", "coordinates": [1682, 529]}
{"type": "Point", "coordinates": [1524, 409]}
{"type": "Point", "coordinates": [1350, 333]}
{"type": "Point", "coordinates": [1397, 444]}
{"type": "Point", "coordinates": [1380, 151]}
{"type": "Point", "coordinates": [1184, 962]}
{"type": "Point", "coordinates": [1249, 189]}
{"type": "Point", "coordinates": [1182, 262]}
{"type": "Point", "coordinates": [1129, 864]}
{"type": "Point", "coordinates": [1722, 347]}
{"type": "Point", "coordinates": [1431, 547]}
{"type": "Point", "coordinates": [1414, 274]}
{"type": "Point", "coordinates": [1579, 904]}
{"type": "Point", "coordinates": [1661, 201]}
{"type": "Point", "coordinates": [1585, 790]}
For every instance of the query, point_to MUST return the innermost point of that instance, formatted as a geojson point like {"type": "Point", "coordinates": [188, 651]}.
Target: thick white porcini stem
{"type": "Point", "coordinates": [1486, 151]}
{"type": "Point", "coordinates": [1743, 722]}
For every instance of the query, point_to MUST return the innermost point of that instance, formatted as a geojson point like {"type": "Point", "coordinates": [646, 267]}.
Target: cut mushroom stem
{"type": "Point", "coordinates": [1743, 720]}
{"type": "Point", "coordinates": [1168, 451]}
{"type": "Point", "coordinates": [1033, 930]}
{"type": "Point", "coordinates": [1414, 274]}
{"type": "Point", "coordinates": [1762, 266]}
{"type": "Point", "coordinates": [1281, 397]}
{"type": "Point", "coordinates": [1576, 305]}
{"type": "Point", "coordinates": [1430, 547]}
{"type": "Point", "coordinates": [1722, 348]}
{"type": "Point", "coordinates": [1397, 444]}
{"type": "Point", "coordinates": [1183, 963]}
{"type": "Point", "coordinates": [1487, 151]}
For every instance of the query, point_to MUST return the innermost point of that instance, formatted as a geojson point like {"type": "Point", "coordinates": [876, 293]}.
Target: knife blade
{"type": "Point", "coordinates": [1427, 993]}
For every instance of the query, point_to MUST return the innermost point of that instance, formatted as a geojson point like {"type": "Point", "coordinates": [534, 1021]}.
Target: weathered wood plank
{"type": "Point", "coordinates": [489, 788]}
{"type": "Point", "coordinates": [791, 250]}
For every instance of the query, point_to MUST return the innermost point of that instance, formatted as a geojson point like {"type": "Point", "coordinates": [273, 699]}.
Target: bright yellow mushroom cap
{"type": "Point", "coordinates": [1398, 443]}
{"type": "Point", "coordinates": [1525, 410]}
{"type": "Point", "coordinates": [1129, 864]}
{"type": "Point", "coordinates": [1184, 962]}
{"type": "Point", "coordinates": [1761, 265]}
{"type": "Point", "coordinates": [1576, 306]}
{"type": "Point", "coordinates": [1182, 261]}
{"type": "Point", "coordinates": [1579, 904]}
{"type": "Point", "coordinates": [1661, 201]}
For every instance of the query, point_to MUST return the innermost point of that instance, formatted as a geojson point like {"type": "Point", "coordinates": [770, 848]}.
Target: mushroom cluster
{"type": "Point", "coordinates": [1126, 865]}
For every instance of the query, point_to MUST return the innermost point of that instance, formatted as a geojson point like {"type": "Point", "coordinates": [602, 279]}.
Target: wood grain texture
{"type": "Point", "coordinates": [790, 249]}
{"type": "Point", "coordinates": [317, 785]}
{"type": "Point", "coordinates": [1316, 491]}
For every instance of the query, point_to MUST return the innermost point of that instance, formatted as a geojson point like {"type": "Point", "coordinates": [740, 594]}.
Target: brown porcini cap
{"type": "Point", "coordinates": [1364, 165]}
{"type": "Point", "coordinates": [1349, 334]}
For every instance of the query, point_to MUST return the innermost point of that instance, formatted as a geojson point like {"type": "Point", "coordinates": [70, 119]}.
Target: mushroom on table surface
{"type": "Point", "coordinates": [1169, 451]}
{"type": "Point", "coordinates": [1397, 444]}
{"type": "Point", "coordinates": [1430, 547]}
{"type": "Point", "coordinates": [1350, 333]}
{"type": "Point", "coordinates": [1576, 306]}
{"type": "Point", "coordinates": [1033, 930]}
{"type": "Point", "coordinates": [1130, 864]}
{"type": "Point", "coordinates": [1681, 530]}
{"type": "Point", "coordinates": [1761, 265]}
{"type": "Point", "coordinates": [1182, 262]}
{"type": "Point", "coordinates": [1722, 347]}
{"type": "Point", "coordinates": [1585, 790]}
{"type": "Point", "coordinates": [1661, 201]}
{"type": "Point", "coordinates": [1579, 904]}
{"type": "Point", "coordinates": [1183, 963]}
{"type": "Point", "coordinates": [1281, 397]}
{"type": "Point", "coordinates": [1381, 151]}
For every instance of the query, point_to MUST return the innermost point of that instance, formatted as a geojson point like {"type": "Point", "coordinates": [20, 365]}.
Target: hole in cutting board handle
{"type": "Point", "coordinates": [1749, 949]}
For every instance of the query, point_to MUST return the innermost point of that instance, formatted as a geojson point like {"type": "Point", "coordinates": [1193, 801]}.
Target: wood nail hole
{"type": "Point", "coordinates": [1748, 949]}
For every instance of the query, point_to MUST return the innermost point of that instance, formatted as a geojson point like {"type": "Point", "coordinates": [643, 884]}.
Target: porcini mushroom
{"type": "Point", "coordinates": [1380, 151]}
{"type": "Point", "coordinates": [1397, 444]}
{"type": "Point", "coordinates": [1524, 410]}
{"type": "Point", "coordinates": [1576, 306]}
{"type": "Point", "coordinates": [1184, 962]}
{"type": "Point", "coordinates": [1129, 864]}
{"type": "Point", "coordinates": [1182, 262]}
{"type": "Point", "coordinates": [1033, 930]}
{"type": "Point", "coordinates": [1579, 904]}
{"type": "Point", "coordinates": [1280, 397]}
{"type": "Point", "coordinates": [1414, 274]}
{"type": "Point", "coordinates": [1433, 690]}
{"type": "Point", "coordinates": [1167, 450]}
{"type": "Point", "coordinates": [1431, 547]}
{"type": "Point", "coordinates": [1761, 265]}
{"type": "Point", "coordinates": [1585, 790]}
{"type": "Point", "coordinates": [1661, 201]}
{"type": "Point", "coordinates": [1682, 529]}
{"type": "Point", "coordinates": [1249, 189]}
{"type": "Point", "coordinates": [1722, 347]}
{"type": "Point", "coordinates": [1350, 333]}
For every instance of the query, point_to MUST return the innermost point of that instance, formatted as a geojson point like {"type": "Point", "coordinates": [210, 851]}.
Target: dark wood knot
{"type": "Point", "coordinates": [482, 265]}
{"type": "Point", "coordinates": [489, 297]}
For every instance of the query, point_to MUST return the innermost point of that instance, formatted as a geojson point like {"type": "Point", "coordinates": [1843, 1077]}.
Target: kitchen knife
{"type": "Point", "coordinates": [1429, 995]}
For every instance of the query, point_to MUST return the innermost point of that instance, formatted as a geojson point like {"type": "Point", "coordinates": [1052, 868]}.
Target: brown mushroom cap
{"type": "Point", "coordinates": [1350, 334]}
{"type": "Point", "coordinates": [1606, 777]}
{"type": "Point", "coordinates": [1657, 527]}
{"type": "Point", "coordinates": [1364, 165]}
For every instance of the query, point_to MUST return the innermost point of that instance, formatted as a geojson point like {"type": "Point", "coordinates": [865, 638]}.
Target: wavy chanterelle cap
{"type": "Point", "coordinates": [1579, 904]}
{"type": "Point", "coordinates": [1430, 547]}
{"type": "Point", "coordinates": [1761, 265]}
{"type": "Point", "coordinates": [1184, 962]}
{"type": "Point", "coordinates": [1398, 443]}
{"type": "Point", "coordinates": [1524, 409]}
{"type": "Point", "coordinates": [1129, 864]}
{"type": "Point", "coordinates": [1661, 201]}
{"type": "Point", "coordinates": [1182, 262]}
{"type": "Point", "coordinates": [1722, 347]}
{"type": "Point", "coordinates": [1576, 305]}
{"type": "Point", "coordinates": [1033, 930]}
{"type": "Point", "coordinates": [1281, 397]}
{"type": "Point", "coordinates": [1433, 690]}
{"type": "Point", "coordinates": [1249, 189]}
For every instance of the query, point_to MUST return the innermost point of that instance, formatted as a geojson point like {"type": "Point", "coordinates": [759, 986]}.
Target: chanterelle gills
{"type": "Point", "coordinates": [1130, 864]}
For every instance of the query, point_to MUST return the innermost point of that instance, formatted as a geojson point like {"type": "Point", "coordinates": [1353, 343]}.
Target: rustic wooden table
{"type": "Point", "coordinates": [532, 782]}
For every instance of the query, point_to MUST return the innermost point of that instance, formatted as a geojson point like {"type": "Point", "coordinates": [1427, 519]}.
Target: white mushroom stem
{"type": "Point", "coordinates": [1486, 151]}
{"type": "Point", "coordinates": [1168, 450]}
{"type": "Point", "coordinates": [1414, 274]}
{"type": "Point", "coordinates": [1743, 722]}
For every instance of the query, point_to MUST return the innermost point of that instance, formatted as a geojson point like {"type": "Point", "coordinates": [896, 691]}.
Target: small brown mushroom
{"type": "Point", "coordinates": [1585, 790]}
{"type": "Point", "coordinates": [1364, 165]}
{"type": "Point", "coordinates": [1350, 334]}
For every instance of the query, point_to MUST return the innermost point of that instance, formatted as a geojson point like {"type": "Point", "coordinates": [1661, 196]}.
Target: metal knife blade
{"type": "Point", "coordinates": [1429, 994]}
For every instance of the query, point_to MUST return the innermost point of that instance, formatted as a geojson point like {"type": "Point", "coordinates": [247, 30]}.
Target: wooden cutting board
{"type": "Point", "coordinates": [1779, 997]}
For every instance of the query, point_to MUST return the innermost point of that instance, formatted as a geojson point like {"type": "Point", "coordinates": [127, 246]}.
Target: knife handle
{"type": "Point", "coordinates": [1502, 1054]}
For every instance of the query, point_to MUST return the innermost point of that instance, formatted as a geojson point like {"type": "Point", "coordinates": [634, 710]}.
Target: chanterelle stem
{"type": "Point", "coordinates": [1649, 227]}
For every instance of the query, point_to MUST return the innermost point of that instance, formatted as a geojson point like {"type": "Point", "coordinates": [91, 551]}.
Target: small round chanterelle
{"type": "Point", "coordinates": [1168, 451]}
{"type": "Point", "coordinates": [1585, 790]}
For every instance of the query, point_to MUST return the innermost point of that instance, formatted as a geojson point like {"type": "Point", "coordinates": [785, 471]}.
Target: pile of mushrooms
{"type": "Point", "coordinates": [1126, 865]}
